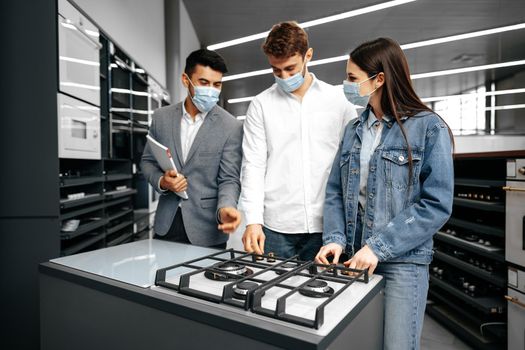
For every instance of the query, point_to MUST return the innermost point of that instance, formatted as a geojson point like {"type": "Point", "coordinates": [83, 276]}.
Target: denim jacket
{"type": "Point", "coordinates": [399, 219]}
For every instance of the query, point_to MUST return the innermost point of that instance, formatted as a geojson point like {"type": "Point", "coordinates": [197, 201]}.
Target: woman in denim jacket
{"type": "Point", "coordinates": [390, 188]}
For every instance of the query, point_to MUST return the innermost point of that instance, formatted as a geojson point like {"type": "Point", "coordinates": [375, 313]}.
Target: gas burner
{"type": "Point", "coordinates": [316, 289]}
{"type": "Point", "coordinates": [286, 267]}
{"type": "Point", "coordinates": [245, 289]}
{"type": "Point", "coordinates": [241, 290]}
{"type": "Point", "coordinates": [230, 268]}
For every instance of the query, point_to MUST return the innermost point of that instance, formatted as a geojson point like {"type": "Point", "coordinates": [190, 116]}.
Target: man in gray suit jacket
{"type": "Point", "coordinates": [206, 146]}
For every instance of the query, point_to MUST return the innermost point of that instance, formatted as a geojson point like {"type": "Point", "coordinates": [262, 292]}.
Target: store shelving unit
{"type": "Point", "coordinates": [468, 278]}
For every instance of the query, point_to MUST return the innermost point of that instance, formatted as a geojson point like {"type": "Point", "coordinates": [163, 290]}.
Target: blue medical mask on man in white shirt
{"type": "Point", "coordinates": [351, 90]}
{"type": "Point", "coordinates": [292, 83]}
{"type": "Point", "coordinates": [204, 97]}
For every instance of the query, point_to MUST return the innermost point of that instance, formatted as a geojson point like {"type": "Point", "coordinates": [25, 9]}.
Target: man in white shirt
{"type": "Point", "coordinates": [291, 135]}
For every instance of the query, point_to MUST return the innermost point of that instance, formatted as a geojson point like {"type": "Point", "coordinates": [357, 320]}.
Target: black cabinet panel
{"type": "Point", "coordinates": [24, 243]}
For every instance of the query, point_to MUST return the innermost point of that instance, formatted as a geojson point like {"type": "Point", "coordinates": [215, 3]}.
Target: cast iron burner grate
{"type": "Point", "coordinates": [243, 285]}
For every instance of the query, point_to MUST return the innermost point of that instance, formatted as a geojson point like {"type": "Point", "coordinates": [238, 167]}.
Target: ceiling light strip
{"type": "Point", "coordinates": [425, 99]}
{"type": "Point", "coordinates": [464, 36]}
{"type": "Point", "coordinates": [314, 22]}
{"type": "Point", "coordinates": [404, 47]}
{"type": "Point", "coordinates": [467, 69]}
{"type": "Point", "coordinates": [474, 94]}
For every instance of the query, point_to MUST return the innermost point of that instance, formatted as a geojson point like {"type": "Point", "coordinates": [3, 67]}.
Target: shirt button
{"type": "Point", "coordinates": [401, 158]}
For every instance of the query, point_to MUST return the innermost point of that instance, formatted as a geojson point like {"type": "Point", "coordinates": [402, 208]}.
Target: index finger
{"type": "Point", "coordinates": [261, 244]}
{"type": "Point", "coordinates": [337, 254]}
{"type": "Point", "coordinates": [322, 257]}
{"type": "Point", "coordinates": [256, 247]}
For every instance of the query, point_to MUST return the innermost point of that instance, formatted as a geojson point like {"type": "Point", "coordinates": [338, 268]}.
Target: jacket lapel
{"type": "Point", "coordinates": [176, 120]}
{"type": "Point", "coordinates": [203, 133]}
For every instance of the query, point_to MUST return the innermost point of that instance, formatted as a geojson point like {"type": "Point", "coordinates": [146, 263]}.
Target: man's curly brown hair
{"type": "Point", "coordinates": [285, 40]}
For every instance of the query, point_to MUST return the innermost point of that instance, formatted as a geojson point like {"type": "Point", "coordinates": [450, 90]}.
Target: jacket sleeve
{"type": "Point", "coordinates": [230, 168]}
{"type": "Point", "coordinates": [420, 221]}
{"type": "Point", "coordinates": [148, 164]}
{"type": "Point", "coordinates": [333, 212]}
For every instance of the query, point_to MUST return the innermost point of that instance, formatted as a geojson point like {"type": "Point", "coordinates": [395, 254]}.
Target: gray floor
{"type": "Point", "coordinates": [435, 337]}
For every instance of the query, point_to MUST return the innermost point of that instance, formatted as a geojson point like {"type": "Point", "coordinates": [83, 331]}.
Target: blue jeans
{"type": "Point", "coordinates": [405, 301]}
{"type": "Point", "coordinates": [286, 245]}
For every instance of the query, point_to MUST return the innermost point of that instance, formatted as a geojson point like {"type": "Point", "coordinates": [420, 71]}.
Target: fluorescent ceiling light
{"type": "Point", "coordinates": [434, 74]}
{"type": "Point", "coordinates": [247, 74]}
{"type": "Point", "coordinates": [447, 39]}
{"type": "Point", "coordinates": [314, 22]}
{"type": "Point", "coordinates": [241, 99]}
{"type": "Point", "coordinates": [472, 94]}
{"type": "Point", "coordinates": [467, 69]}
{"type": "Point", "coordinates": [404, 47]}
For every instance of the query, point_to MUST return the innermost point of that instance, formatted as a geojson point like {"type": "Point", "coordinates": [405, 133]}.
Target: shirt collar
{"type": "Point", "coordinates": [188, 117]}
{"type": "Point", "coordinates": [372, 119]}
{"type": "Point", "coordinates": [364, 117]}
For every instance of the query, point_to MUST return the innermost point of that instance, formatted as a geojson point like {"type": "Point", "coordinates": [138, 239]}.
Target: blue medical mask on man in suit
{"type": "Point", "coordinates": [204, 97]}
{"type": "Point", "coordinates": [351, 90]}
{"type": "Point", "coordinates": [292, 83]}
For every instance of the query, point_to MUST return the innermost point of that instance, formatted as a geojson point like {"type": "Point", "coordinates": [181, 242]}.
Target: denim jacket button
{"type": "Point", "coordinates": [401, 158]}
{"type": "Point", "coordinates": [369, 224]}
{"type": "Point", "coordinates": [371, 195]}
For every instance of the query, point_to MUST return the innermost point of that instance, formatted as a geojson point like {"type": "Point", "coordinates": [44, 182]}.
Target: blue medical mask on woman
{"type": "Point", "coordinates": [292, 83]}
{"type": "Point", "coordinates": [204, 97]}
{"type": "Point", "coordinates": [351, 90]}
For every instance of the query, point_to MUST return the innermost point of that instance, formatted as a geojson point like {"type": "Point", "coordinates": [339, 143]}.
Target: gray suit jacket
{"type": "Point", "coordinates": [212, 168]}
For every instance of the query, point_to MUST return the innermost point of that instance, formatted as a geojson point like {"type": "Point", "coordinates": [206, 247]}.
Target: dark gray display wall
{"type": "Point", "coordinates": [29, 189]}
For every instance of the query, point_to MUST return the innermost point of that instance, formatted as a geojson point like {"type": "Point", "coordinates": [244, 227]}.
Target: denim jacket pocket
{"type": "Point", "coordinates": [397, 167]}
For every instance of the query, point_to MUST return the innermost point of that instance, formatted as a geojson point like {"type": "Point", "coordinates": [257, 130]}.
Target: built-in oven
{"type": "Point", "coordinates": [79, 54]}
{"type": "Point", "coordinates": [515, 252]}
{"type": "Point", "coordinates": [78, 128]}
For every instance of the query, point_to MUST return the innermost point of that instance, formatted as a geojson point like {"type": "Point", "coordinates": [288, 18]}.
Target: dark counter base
{"type": "Point", "coordinates": [84, 311]}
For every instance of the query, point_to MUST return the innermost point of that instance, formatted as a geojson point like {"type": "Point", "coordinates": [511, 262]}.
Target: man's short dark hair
{"type": "Point", "coordinates": [205, 58]}
{"type": "Point", "coordinates": [285, 40]}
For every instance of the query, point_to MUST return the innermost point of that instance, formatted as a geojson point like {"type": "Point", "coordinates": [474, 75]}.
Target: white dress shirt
{"type": "Point", "coordinates": [188, 130]}
{"type": "Point", "coordinates": [289, 146]}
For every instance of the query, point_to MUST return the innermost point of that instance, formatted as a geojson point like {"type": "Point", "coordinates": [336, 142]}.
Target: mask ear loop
{"type": "Point", "coordinates": [372, 77]}
{"type": "Point", "coordinates": [191, 85]}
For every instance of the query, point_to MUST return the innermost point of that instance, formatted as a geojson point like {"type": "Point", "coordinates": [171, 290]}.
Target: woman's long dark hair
{"type": "Point", "coordinates": [398, 98]}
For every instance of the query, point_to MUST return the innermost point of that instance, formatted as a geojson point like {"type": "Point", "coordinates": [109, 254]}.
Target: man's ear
{"type": "Point", "coordinates": [309, 54]}
{"type": "Point", "coordinates": [185, 80]}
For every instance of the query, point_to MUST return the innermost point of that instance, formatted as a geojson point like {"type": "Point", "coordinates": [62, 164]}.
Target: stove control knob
{"type": "Point", "coordinates": [521, 170]}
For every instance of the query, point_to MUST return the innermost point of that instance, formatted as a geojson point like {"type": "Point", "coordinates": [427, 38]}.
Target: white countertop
{"type": "Point", "coordinates": [135, 263]}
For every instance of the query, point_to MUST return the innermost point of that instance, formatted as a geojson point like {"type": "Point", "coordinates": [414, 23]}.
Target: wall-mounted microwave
{"type": "Point", "coordinates": [78, 129]}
